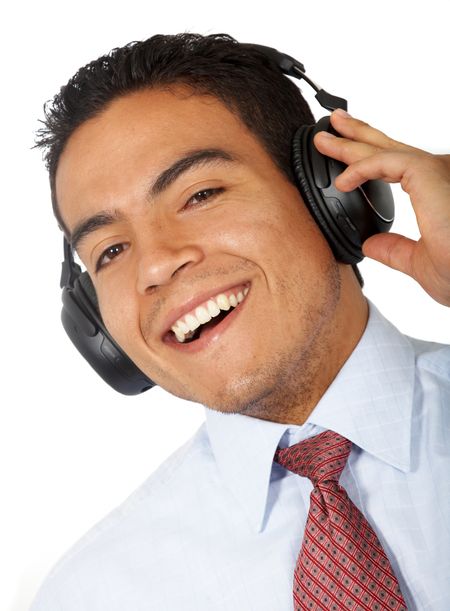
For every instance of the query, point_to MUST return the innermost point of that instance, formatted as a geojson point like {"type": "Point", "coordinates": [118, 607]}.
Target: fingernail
{"type": "Point", "coordinates": [342, 113]}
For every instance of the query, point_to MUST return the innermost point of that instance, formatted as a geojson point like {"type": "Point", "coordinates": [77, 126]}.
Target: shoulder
{"type": "Point", "coordinates": [432, 392]}
{"type": "Point", "coordinates": [432, 357]}
{"type": "Point", "coordinates": [108, 549]}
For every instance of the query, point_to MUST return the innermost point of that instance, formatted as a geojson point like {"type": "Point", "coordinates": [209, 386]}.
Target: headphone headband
{"type": "Point", "coordinates": [292, 67]}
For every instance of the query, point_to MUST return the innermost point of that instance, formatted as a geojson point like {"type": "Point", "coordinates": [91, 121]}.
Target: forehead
{"type": "Point", "coordinates": [144, 132]}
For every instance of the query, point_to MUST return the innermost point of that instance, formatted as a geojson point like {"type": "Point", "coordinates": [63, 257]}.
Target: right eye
{"type": "Point", "coordinates": [109, 254]}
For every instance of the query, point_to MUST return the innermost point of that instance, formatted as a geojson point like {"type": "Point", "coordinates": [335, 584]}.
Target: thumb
{"type": "Point", "coordinates": [392, 249]}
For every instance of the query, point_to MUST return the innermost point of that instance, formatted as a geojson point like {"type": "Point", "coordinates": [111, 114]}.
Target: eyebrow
{"type": "Point", "coordinates": [93, 223]}
{"type": "Point", "coordinates": [189, 161]}
{"type": "Point", "coordinates": [167, 177]}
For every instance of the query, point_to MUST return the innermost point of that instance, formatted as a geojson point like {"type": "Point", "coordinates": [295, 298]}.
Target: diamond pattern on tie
{"type": "Point", "coordinates": [341, 564]}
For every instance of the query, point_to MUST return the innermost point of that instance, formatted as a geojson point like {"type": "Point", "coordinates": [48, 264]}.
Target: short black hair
{"type": "Point", "coordinates": [243, 78]}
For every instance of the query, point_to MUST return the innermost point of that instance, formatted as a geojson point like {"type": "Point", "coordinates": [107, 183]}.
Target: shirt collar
{"type": "Point", "coordinates": [369, 403]}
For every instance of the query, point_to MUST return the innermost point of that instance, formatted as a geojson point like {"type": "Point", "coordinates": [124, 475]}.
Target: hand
{"type": "Point", "coordinates": [370, 154]}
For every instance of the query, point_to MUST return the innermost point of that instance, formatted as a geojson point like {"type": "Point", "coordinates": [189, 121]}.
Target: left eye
{"type": "Point", "coordinates": [109, 254]}
{"type": "Point", "coordinates": [202, 196]}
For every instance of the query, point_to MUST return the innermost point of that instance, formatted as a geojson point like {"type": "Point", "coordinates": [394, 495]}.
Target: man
{"type": "Point", "coordinates": [171, 175]}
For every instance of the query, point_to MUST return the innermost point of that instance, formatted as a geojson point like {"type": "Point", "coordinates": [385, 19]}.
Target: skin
{"type": "Point", "coordinates": [304, 313]}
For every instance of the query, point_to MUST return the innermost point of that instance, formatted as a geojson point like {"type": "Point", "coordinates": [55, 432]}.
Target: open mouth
{"type": "Point", "coordinates": [200, 322]}
{"type": "Point", "coordinates": [194, 335]}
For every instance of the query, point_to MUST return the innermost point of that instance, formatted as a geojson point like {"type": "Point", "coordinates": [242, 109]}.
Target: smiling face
{"type": "Point", "coordinates": [181, 218]}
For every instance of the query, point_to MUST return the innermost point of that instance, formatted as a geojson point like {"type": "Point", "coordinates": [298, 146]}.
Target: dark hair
{"type": "Point", "coordinates": [240, 76]}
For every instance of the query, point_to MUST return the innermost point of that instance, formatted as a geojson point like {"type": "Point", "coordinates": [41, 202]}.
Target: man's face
{"type": "Point", "coordinates": [188, 205]}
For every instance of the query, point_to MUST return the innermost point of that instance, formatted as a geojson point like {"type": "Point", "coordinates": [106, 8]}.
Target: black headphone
{"type": "Point", "coordinates": [346, 220]}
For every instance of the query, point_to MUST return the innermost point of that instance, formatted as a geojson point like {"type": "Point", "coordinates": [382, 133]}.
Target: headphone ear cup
{"type": "Point", "coordinates": [346, 219]}
{"type": "Point", "coordinates": [303, 176]}
{"type": "Point", "coordinates": [83, 324]}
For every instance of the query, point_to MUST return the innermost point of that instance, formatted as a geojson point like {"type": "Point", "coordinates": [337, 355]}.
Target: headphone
{"type": "Point", "coordinates": [346, 221]}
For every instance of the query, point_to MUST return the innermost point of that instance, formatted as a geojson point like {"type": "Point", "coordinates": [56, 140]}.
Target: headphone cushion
{"type": "Point", "coordinates": [88, 289]}
{"type": "Point", "coordinates": [299, 159]}
{"type": "Point", "coordinates": [313, 198]}
{"type": "Point", "coordinates": [301, 162]}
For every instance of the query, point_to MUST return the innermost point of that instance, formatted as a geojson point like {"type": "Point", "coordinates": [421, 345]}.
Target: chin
{"type": "Point", "coordinates": [286, 388]}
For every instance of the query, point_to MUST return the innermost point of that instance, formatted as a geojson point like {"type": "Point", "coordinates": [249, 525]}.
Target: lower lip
{"type": "Point", "coordinates": [209, 336]}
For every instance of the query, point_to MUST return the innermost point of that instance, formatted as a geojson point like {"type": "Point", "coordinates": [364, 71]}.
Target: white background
{"type": "Point", "coordinates": [70, 448]}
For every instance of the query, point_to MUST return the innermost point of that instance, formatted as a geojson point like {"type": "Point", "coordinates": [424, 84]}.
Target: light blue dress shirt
{"type": "Point", "coordinates": [218, 526]}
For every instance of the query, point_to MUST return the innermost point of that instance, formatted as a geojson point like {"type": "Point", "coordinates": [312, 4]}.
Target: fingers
{"type": "Point", "coordinates": [355, 129]}
{"type": "Point", "coordinates": [393, 250]}
{"type": "Point", "coordinates": [368, 152]}
{"type": "Point", "coordinates": [343, 149]}
{"type": "Point", "coordinates": [358, 140]}
{"type": "Point", "coordinates": [389, 166]}
{"type": "Point", "coordinates": [412, 258]}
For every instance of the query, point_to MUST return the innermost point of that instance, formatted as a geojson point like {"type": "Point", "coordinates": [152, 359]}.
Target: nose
{"type": "Point", "coordinates": [159, 264]}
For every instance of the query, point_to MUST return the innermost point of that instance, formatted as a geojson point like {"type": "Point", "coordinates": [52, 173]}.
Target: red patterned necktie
{"type": "Point", "coordinates": [341, 564]}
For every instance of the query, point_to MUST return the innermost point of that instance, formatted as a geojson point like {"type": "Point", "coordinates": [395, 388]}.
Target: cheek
{"type": "Point", "coordinates": [273, 230]}
{"type": "Point", "coordinates": [302, 240]}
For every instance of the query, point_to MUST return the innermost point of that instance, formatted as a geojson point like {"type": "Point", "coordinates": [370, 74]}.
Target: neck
{"type": "Point", "coordinates": [348, 328]}
{"type": "Point", "coordinates": [298, 393]}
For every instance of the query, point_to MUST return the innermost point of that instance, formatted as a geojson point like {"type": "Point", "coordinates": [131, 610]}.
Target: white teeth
{"type": "Point", "coordinates": [191, 322]}
{"type": "Point", "coordinates": [202, 315]}
{"type": "Point", "coordinates": [222, 302]}
{"type": "Point", "coordinates": [178, 334]}
{"type": "Point", "coordinates": [213, 308]}
{"type": "Point", "coordinates": [184, 327]}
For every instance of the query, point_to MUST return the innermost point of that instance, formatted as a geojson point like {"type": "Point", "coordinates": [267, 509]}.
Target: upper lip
{"type": "Point", "coordinates": [178, 312]}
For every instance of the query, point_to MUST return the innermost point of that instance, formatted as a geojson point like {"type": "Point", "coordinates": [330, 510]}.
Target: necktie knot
{"type": "Point", "coordinates": [320, 458]}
